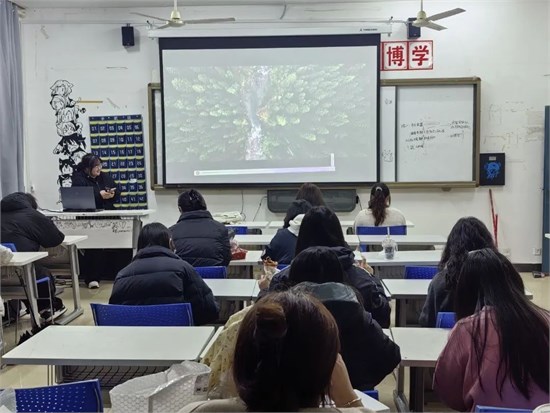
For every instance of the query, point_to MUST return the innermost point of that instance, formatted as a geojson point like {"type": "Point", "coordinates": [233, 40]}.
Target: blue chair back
{"type": "Point", "coordinates": [162, 315]}
{"type": "Point", "coordinates": [212, 272]}
{"type": "Point", "coordinates": [81, 396]}
{"type": "Point", "coordinates": [445, 320]}
{"type": "Point", "coordinates": [490, 409]}
{"type": "Point", "coordinates": [394, 230]}
{"type": "Point", "coordinates": [238, 229]}
{"type": "Point", "coordinates": [10, 246]}
{"type": "Point", "coordinates": [420, 273]}
{"type": "Point", "coordinates": [372, 393]}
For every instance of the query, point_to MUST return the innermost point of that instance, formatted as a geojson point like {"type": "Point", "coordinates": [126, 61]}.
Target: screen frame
{"type": "Point", "coordinates": [282, 41]}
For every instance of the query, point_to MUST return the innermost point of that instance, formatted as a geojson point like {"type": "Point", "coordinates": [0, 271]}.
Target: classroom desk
{"type": "Point", "coordinates": [547, 235]}
{"type": "Point", "coordinates": [26, 261]}
{"type": "Point", "coordinates": [105, 229]}
{"type": "Point", "coordinates": [402, 290]}
{"type": "Point", "coordinates": [232, 289]}
{"type": "Point", "coordinates": [250, 224]}
{"type": "Point", "coordinates": [254, 259]}
{"type": "Point", "coordinates": [403, 239]}
{"type": "Point", "coordinates": [403, 258]}
{"type": "Point", "coordinates": [110, 346]}
{"type": "Point", "coordinates": [420, 349]}
{"type": "Point", "coordinates": [265, 239]}
{"type": "Point", "coordinates": [70, 242]}
{"type": "Point", "coordinates": [344, 223]}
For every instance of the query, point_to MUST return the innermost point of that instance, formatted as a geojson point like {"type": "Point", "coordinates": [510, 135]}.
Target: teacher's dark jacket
{"type": "Point", "coordinates": [25, 227]}
{"type": "Point", "coordinates": [104, 180]}
{"type": "Point", "coordinates": [369, 286]}
{"type": "Point", "coordinates": [200, 240]}
{"type": "Point", "coordinates": [369, 354]}
{"type": "Point", "coordinates": [158, 276]}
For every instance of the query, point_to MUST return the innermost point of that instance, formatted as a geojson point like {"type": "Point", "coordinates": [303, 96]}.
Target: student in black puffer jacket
{"type": "Point", "coordinates": [158, 276]}
{"type": "Point", "coordinates": [23, 225]}
{"type": "Point", "coordinates": [198, 238]}
{"type": "Point", "coordinates": [321, 227]}
{"type": "Point", "coordinates": [368, 353]}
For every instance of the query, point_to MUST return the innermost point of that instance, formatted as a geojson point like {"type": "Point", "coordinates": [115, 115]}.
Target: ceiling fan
{"type": "Point", "coordinates": [423, 21]}
{"type": "Point", "coordinates": [176, 21]}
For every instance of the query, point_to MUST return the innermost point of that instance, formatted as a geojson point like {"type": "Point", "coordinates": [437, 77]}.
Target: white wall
{"type": "Point", "coordinates": [506, 43]}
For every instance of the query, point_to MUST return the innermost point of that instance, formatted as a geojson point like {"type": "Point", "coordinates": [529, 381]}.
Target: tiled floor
{"type": "Point", "coordinates": [29, 376]}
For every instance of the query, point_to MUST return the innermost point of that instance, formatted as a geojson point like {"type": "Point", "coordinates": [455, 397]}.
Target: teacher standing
{"type": "Point", "coordinates": [88, 173]}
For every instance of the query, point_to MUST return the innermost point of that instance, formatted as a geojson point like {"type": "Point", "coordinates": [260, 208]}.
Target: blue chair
{"type": "Point", "coordinates": [10, 246]}
{"type": "Point", "coordinates": [212, 272]}
{"type": "Point", "coordinates": [420, 273]}
{"type": "Point", "coordinates": [445, 320]}
{"type": "Point", "coordinates": [238, 229]}
{"type": "Point", "coordinates": [163, 315]}
{"type": "Point", "coordinates": [394, 230]}
{"type": "Point", "coordinates": [490, 409]}
{"type": "Point", "coordinates": [81, 396]}
{"type": "Point", "coordinates": [371, 393]}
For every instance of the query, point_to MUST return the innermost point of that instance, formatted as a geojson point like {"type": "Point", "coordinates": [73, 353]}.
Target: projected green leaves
{"type": "Point", "coordinates": [264, 112]}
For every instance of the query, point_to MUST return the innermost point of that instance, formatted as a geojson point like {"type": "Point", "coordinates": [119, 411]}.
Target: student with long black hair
{"type": "Point", "coordinates": [283, 245]}
{"type": "Point", "coordinates": [497, 354]}
{"type": "Point", "coordinates": [468, 234]}
{"type": "Point", "coordinates": [379, 212]}
{"type": "Point", "coordinates": [312, 194]}
{"type": "Point", "coordinates": [321, 227]}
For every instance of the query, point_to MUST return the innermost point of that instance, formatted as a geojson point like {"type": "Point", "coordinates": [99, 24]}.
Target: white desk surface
{"type": "Point", "coordinates": [250, 224]}
{"type": "Point", "coordinates": [73, 239]}
{"type": "Point", "coordinates": [372, 404]}
{"type": "Point", "coordinates": [254, 258]}
{"type": "Point", "coordinates": [20, 259]}
{"type": "Point", "coordinates": [265, 239]}
{"type": "Point", "coordinates": [411, 289]}
{"type": "Point", "coordinates": [404, 258]}
{"type": "Point", "coordinates": [420, 347]}
{"type": "Point", "coordinates": [279, 224]}
{"type": "Point", "coordinates": [232, 289]}
{"type": "Point", "coordinates": [547, 235]}
{"type": "Point", "coordinates": [404, 239]}
{"type": "Point", "coordinates": [106, 213]}
{"type": "Point", "coordinates": [111, 346]}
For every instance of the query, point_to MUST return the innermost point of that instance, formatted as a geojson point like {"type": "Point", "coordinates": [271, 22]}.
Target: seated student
{"type": "Point", "coordinates": [158, 276]}
{"type": "Point", "coordinates": [286, 360]}
{"type": "Point", "coordinates": [198, 238]}
{"type": "Point", "coordinates": [312, 194]}
{"type": "Point", "coordinates": [282, 246]}
{"type": "Point", "coordinates": [30, 230]}
{"type": "Point", "coordinates": [468, 234]}
{"type": "Point", "coordinates": [321, 227]}
{"type": "Point", "coordinates": [88, 173]}
{"type": "Point", "coordinates": [497, 353]}
{"type": "Point", "coordinates": [379, 212]}
{"type": "Point", "coordinates": [368, 353]}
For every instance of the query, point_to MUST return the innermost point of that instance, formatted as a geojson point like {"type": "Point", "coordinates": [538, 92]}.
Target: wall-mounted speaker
{"type": "Point", "coordinates": [128, 36]}
{"type": "Point", "coordinates": [412, 31]}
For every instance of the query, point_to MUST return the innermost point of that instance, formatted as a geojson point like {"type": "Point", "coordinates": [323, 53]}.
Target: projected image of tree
{"type": "Point", "coordinates": [264, 112]}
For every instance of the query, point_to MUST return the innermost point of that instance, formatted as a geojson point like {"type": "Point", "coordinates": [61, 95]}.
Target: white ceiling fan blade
{"type": "Point", "coordinates": [151, 17]}
{"type": "Point", "coordinates": [164, 26]}
{"type": "Point", "coordinates": [435, 26]}
{"type": "Point", "coordinates": [200, 21]}
{"type": "Point", "coordinates": [445, 14]}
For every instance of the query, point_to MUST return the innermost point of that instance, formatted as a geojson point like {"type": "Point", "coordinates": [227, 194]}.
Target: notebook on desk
{"type": "Point", "coordinates": [78, 199]}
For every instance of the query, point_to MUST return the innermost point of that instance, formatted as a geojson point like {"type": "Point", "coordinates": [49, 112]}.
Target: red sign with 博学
{"type": "Point", "coordinates": [407, 55]}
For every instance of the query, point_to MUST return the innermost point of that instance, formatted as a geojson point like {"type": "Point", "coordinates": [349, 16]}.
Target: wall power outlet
{"type": "Point", "coordinates": [537, 251]}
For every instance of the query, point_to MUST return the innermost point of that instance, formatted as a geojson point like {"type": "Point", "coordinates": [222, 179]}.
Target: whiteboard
{"type": "Point", "coordinates": [434, 139]}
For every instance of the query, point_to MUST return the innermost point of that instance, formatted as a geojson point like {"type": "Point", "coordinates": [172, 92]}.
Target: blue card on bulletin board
{"type": "Point", "coordinates": [492, 169]}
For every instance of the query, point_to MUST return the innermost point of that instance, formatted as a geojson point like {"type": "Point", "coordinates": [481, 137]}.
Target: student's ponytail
{"type": "Point", "coordinates": [377, 204]}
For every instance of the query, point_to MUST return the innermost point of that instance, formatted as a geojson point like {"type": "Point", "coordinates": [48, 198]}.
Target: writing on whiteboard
{"type": "Point", "coordinates": [419, 135]}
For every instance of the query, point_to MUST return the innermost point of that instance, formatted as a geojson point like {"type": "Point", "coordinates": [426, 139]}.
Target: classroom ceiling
{"type": "Point", "coordinates": [163, 3]}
